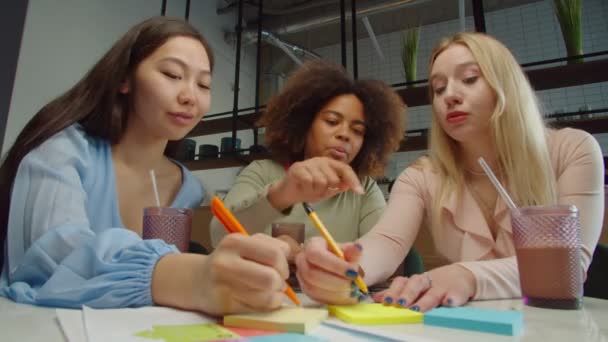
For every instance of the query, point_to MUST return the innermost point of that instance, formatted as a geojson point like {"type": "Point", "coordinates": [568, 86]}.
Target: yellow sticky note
{"type": "Point", "coordinates": [374, 314]}
{"type": "Point", "coordinates": [188, 333]}
{"type": "Point", "coordinates": [288, 319]}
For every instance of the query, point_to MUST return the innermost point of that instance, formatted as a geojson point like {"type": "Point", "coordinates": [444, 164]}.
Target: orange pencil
{"type": "Point", "coordinates": [232, 225]}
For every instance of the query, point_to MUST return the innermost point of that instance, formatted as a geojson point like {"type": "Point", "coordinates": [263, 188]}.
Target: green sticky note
{"type": "Point", "coordinates": [375, 314]}
{"type": "Point", "coordinates": [188, 333]}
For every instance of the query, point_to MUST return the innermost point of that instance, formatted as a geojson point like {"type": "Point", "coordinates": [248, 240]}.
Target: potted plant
{"type": "Point", "coordinates": [409, 53]}
{"type": "Point", "coordinates": [568, 14]}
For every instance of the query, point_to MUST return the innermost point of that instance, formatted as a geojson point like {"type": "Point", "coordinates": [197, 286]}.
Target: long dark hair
{"type": "Point", "coordinates": [95, 102]}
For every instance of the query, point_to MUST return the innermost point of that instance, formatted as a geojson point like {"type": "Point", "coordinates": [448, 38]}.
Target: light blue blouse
{"type": "Point", "coordinates": [66, 245]}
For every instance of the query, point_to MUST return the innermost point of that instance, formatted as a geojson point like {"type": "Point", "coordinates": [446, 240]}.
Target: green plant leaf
{"type": "Point", "coordinates": [569, 15]}
{"type": "Point", "coordinates": [409, 54]}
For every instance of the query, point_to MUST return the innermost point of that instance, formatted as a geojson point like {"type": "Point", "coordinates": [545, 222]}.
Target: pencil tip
{"type": "Point", "coordinates": [307, 208]}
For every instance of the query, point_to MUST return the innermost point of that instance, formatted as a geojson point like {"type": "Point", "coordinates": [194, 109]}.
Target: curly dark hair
{"type": "Point", "coordinates": [289, 115]}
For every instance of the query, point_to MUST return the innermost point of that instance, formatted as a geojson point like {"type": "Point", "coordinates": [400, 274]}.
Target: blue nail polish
{"type": "Point", "coordinates": [359, 247]}
{"type": "Point", "coordinates": [353, 286]}
{"type": "Point", "coordinates": [362, 297]}
{"type": "Point", "coordinates": [415, 308]}
{"type": "Point", "coordinates": [355, 293]}
{"type": "Point", "coordinates": [388, 300]}
{"type": "Point", "coordinates": [450, 301]}
{"type": "Point", "coordinates": [401, 301]}
{"type": "Point", "coordinates": [350, 273]}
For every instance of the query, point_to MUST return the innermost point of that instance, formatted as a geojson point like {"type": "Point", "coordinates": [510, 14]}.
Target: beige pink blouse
{"type": "Point", "coordinates": [465, 237]}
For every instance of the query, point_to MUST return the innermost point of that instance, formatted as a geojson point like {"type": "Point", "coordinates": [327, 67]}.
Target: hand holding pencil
{"type": "Point", "coordinates": [328, 272]}
{"type": "Point", "coordinates": [232, 225]}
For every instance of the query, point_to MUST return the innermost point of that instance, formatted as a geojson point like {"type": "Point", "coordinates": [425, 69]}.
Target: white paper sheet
{"type": "Point", "coordinates": [329, 333]}
{"type": "Point", "coordinates": [376, 330]}
{"type": "Point", "coordinates": [122, 324]}
{"type": "Point", "coordinates": [71, 324]}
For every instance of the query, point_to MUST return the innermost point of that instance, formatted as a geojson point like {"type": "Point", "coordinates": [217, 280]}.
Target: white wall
{"type": "Point", "coordinates": [203, 16]}
{"type": "Point", "coordinates": [61, 41]}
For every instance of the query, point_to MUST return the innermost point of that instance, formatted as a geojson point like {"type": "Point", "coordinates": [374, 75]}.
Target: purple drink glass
{"type": "Point", "coordinates": [173, 225]}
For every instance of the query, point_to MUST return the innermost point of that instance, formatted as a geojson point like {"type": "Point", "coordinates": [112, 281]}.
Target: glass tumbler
{"type": "Point", "coordinates": [547, 245]}
{"type": "Point", "coordinates": [173, 225]}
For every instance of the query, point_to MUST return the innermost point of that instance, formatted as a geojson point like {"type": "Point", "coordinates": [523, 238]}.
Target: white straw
{"type": "Point", "coordinates": [503, 193]}
{"type": "Point", "coordinates": [154, 187]}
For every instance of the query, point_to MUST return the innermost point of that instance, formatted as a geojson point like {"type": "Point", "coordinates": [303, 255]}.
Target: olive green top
{"type": "Point", "coordinates": [347, 216]}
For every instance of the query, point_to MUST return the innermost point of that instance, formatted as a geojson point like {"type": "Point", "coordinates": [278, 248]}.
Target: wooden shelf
{"type": "Point", "coordinates": [569, 75]}
{"type": "Point", "coordinates": [592, 126]}
{"type": "Point", "coordinates": [599, 125]}
{"type": "Point", "coordinates": [414, 143]}
{"type": "Point", "coordinates": [414, 97]}
{"type": "Point", "coordinates": [226, 161]}
{"type": "Point", "coordinates": [541, 79]}
{"type": "Point", "coordinates": [205, 127]}
{"type": "Point", "coordinates": [411, 143]}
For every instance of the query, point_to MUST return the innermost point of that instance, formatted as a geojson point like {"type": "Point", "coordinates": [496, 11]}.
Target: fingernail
{"type": "Point", "coordinates": [362, 297]}
{"type": "Point", "coordinates": [450, 301]}
{"type": "Point", "coordinates": [355, 293]}
{"type": "Point", "coordinates": [388, 300]}
{"type": "Point", "coordinates": [353, 285]}
{"type": "Point", "coordinates": [401, 301]}
{"type": "Point", "coordinates": [350, 273]}
{"type": "Point", "coordinates": [359, 247]}
{"type": "Point", "coordinates": [415, 308]}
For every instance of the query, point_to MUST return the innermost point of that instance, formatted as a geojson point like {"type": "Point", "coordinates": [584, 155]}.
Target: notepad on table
{"type": "Point", "coordinates": [375, 313]}
{"type": "Point", "coordinates": [288, 319]}
{"type": "Point", "coordinates": [503, 322]}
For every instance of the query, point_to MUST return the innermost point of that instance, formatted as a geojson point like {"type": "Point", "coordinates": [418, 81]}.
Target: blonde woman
{"type": "Point", "coordinates": [483, 106]}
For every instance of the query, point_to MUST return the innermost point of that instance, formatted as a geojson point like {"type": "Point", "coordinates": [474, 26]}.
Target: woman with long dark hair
{"type": "Point", "coordinates": [76, 182]}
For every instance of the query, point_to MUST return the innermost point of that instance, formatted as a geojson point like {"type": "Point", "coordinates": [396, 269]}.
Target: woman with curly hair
{"type": "Point", "coordinates": [328, 135]}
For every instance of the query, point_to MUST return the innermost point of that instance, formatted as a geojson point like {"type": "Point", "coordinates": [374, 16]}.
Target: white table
{"type": "Point", "coordinates": [543, 325]}
{"type": "Point", "coordinates": [19, 322]}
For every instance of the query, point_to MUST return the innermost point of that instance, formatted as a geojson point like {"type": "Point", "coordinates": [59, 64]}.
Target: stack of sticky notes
{"type": "Point", "coordinates": [374, 314]}
{"type": "Point", "coordinates": [288, 319]}
{"type": "Point", "coordinates": [504, 322]}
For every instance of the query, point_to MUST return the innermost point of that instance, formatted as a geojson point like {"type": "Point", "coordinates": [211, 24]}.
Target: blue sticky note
{"type": "Point", "coordinates": [503, 322]}
{"type": "Point", "coordinates": [291, 337]}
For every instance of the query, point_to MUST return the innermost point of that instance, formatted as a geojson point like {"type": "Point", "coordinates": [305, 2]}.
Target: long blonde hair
{"type": "Point", "coordinates": [517, 127]}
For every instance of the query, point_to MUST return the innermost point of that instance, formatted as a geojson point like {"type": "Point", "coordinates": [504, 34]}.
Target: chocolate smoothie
{"type": "Point", "coordinates": [550, 276]}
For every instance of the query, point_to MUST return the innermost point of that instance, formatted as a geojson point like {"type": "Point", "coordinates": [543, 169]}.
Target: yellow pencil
{"type": "Point", "coordinates": [333, 246]}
